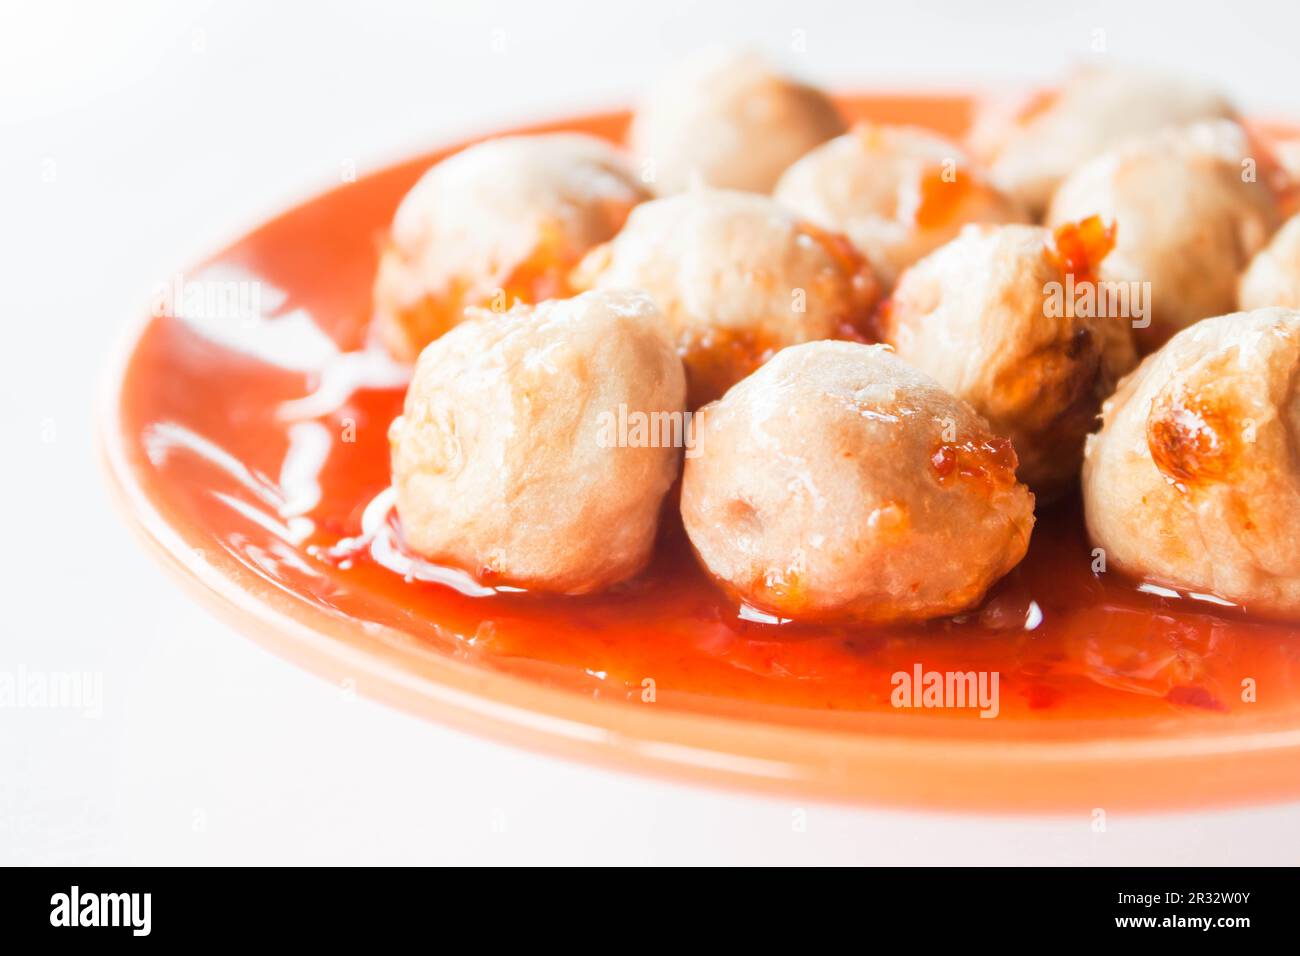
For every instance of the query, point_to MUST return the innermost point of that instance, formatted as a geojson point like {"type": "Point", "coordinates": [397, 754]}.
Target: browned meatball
{"type": "Point", "coordinates": [1189, 216]}
{"type": "Point", "coordinates": [497, 223]}
{"type": "Point", "coordinates": [737, 277]}
{"type": "Point", "coordinates": [1192, 481]}
{"type": "Point", "coordinates": [1032, 143]}
{"type": "Point", "coordinates": [896, 192]}
{"type": "Point", "coordinates": [725, 118]}
{"type": "Point", "coordinates": [1273, 276]}
{"type": "Point", "coordinates": [503, 460]}
{"type": "Point", "coordinates": [837, 483]}
{"type": "Point", "coordinates": [988, 317]}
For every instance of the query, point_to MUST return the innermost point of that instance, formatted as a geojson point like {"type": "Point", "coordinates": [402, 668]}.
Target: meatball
{"type": "Point", "coordinates": [1032, 143]}
{"type": "Point", "coordinates": [895, 191]}
{"type": "Point", "coordinates": [990, 316]}
{"type": "Point", "coordinates": [738, 277]}
{"type": "Point", "coordinates": [1189, 218]}
{"type": "Point", "coordinates": [506, 461]}
{"type": "Point", "coordinates": [499, 222]}
{"type": "Point", "coordinates": [725, 118]}
{"type": "Point", "coordinates": [1192, 481]}
{"type": "Point", "coordinates": [837, 483]}
{"type": "Point", "coordinates": [1273, 276]}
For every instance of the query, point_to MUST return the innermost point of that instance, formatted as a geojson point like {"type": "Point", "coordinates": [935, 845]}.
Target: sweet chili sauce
{"type": "Point", "coordinates": [942, 191]}
{"type": "Point", "coordinates": [1077, 248]}
{"type": "Point", "coordinates": [284, 485]}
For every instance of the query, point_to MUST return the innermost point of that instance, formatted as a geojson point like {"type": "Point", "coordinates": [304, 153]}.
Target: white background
{"type": "Point", "coordinates": [136, 136]}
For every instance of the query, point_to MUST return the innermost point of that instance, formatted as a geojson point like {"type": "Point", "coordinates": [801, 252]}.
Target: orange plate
{"type": "Point", "coordinates": [1110, 696]}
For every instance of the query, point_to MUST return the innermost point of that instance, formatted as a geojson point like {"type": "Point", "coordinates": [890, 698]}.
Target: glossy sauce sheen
{"type": "Point", "coordinates": [1077, 652]}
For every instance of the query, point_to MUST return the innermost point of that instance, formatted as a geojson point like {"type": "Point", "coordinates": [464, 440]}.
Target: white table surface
{"type": "Point", "coordinates": [136, 136]}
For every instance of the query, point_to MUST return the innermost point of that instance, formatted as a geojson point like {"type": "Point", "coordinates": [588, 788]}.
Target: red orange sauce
{"type": "Point", "coordinates": [850, 281]}
{"type": "Point", "coordinates": [1077, 248]}
{"type": "Point", "coordinates": [1073, 647]}
{"type": "Point", "coordinates": [992, 461]}
{"type": "Point", "coordinates": [942, 194]}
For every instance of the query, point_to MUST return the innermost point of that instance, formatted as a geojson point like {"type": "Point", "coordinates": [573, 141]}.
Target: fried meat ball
{"type": "Point", "coordinates": [1031, 144]}
{"type": "Point", "coordinates": [978, 316]}
{"type": "Point", "coordinates": [737, 277]}
{"type": "Point", "coordinates": [1273, 276]}
{"type": "Point", "coordinates": [1193, 481]}
{"type": "Point", "coordinates": [503, 461]}
{"type": "Point", "coordinates": [1188, 219]}
{"type": "Point", "coordinates": [499, 222]}
{"type": "Point", "coordinates": [837, 483]}
{"type": "Point", "coordinates": [897, 192]}
{"type": "Point", "coordinates": [725, 118]}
